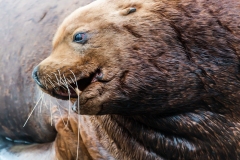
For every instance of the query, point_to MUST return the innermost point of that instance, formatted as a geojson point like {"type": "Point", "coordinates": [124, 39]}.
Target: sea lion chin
{"type": "Point", "coordinates": [163, 75]}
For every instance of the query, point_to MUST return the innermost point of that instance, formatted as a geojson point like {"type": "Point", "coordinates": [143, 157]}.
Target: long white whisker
{"type": "Point", "coordinates": [74, 76]}
{"type": "Point", "coordinates": [51, 78]}
{"type": "Point", "coordinates": [44, 103]}
{"type": "Point", "coordinates": [63, 83]}
{"type": "Point", "coordinates": [78, 104]}
{"type": "Point", "coordinates": [60, 77]}
{"type": "Point", "coordinates": [61, 116]}
{"type": "Point", "coordinates": [69, 93]}
{"type": "Point", "coordinates": [40, 108]}
{"type": "Point", "coordinates": [45, 82]}
{"type": "Point", "coordinates": [73, 80]}
{"type": "Point", "coordinates": [58, 81]}
{"type": "Point", "coordinates": [71, 87]}
{"type": "Point", "coordinates": [64, 86]}
{"type": "Point", "coordinates": [58, 105]}
{"type": "Point", "coordinates": [69, 81]}
{"type": "Point", "coordinates": [51, 83]}
{"type": "Point", "coordinates": [78, 126]}
{"type": "Point", "coordinates": [53, 86]}
{"type": "Point", "coordinates": [33, 110]}
{"type": "Point", "coordinates": [46, 85]}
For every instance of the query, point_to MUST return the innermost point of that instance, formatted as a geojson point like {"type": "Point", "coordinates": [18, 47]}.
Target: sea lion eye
{"type": "Point", "coordinates": [131, 10]}
{"type": "Point", "coordinates": [80, 38]}
{"type": "Point", "coordinates": [128, 11]}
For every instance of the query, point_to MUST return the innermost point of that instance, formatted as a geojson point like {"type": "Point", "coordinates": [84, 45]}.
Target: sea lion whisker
{"type": "Point", "coordinates": [73, 81]}
{"type": "Point", "coordinates": [59, 108]}
{"type": "Point", "coordinates": [70, 81]}
{"type": "Point", "coordinates": [69, 96]}
{"type": "Point", "coordinates": [65, 80]}
{"type": "Point", "coordinates": [75, 89]}
{"type": "Point", "coordinates": [79, 122]}
{"type": "Point", "coordinates": [40, 108]}
{"type": "Point", "coordinates": [50, 82]}
{"type": "Point", "coordinates": [78, 104]}
{"type": "Point", "coordinates": [44, 103]}
{"type": "Point", "coordinates": [51, 79]}
{"type": "Point", "coordinates": [64, 86]}
{"type": "Point", "coordinates": [58, 81]}
{"type": "Point", "coordinates": [64, 83]}
{"type": "Point", "coordinates": [46, 84]}
{"type": "Point", "coordinates": [54, 87]}
{"type": "Point", "coordinates": [74, 77]}
{"type": "Point", "coordinates": [49, 76]}
{"type": "Point", "coordinates": [60, 78]}
{"type": "Point", "coordinates": [33, 110]}
{"type": "Point", "coordinates": [61, 83]}
{"type": "Point", "coordinates": [61, 115]}
{"type": "Point", "coordinates": [72, 87]}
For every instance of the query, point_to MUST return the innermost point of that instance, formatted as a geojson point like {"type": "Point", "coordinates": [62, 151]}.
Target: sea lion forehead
{"type": "Point", "coordinates": [68, 23]}
{"type": "Point", "coordinates": [79, 17]}
{"type": "Point", "coordinates": [95, 11]}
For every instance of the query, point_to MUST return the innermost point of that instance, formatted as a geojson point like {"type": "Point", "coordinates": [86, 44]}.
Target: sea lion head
{"type": "Point", "coordinates": [134, 57]}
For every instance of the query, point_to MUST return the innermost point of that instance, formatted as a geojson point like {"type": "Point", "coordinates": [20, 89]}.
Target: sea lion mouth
{"type": "Point", "coordinates": [73, 90]}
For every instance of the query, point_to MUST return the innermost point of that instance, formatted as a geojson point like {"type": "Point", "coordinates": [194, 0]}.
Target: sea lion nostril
{"type": "Point", "coordinates": [35, 77]}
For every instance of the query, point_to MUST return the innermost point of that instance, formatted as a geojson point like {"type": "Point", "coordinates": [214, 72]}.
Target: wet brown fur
{"type": "Point", "coordinates": [171, 73]}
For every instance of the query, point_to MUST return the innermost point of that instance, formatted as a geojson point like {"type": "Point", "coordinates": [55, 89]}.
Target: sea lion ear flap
{"type": "Point", "coordinates": [128, 11]}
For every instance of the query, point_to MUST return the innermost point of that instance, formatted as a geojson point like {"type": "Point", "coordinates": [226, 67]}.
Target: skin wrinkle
{"type": "Point", "coordinates": [169, 88]}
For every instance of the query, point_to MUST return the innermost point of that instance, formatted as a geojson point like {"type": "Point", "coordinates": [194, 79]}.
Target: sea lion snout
{"type": "Point", "coordinates": [36, 78]}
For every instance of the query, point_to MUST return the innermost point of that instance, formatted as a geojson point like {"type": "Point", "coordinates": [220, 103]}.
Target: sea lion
{"type": "Point", "coordinates": [151, 79]}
